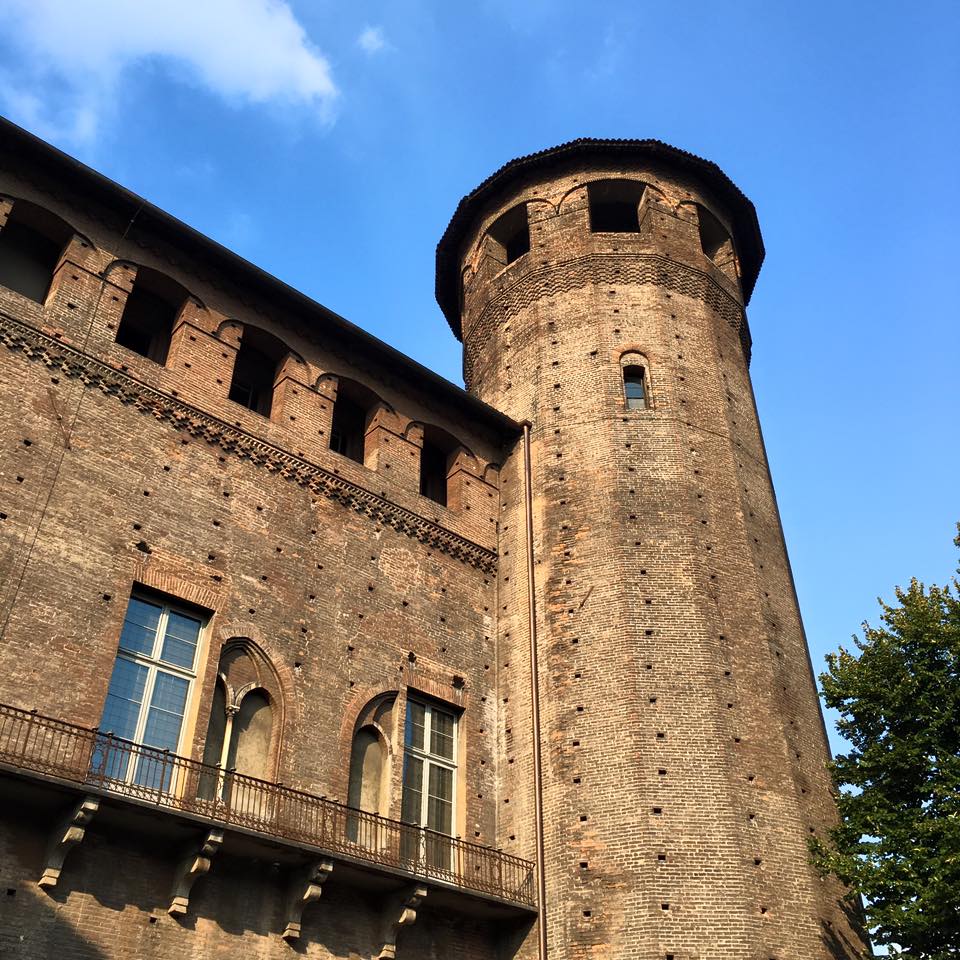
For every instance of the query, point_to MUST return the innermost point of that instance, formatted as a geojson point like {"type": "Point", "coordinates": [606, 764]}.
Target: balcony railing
{"type": "Point", "coordinates": [92, 759]}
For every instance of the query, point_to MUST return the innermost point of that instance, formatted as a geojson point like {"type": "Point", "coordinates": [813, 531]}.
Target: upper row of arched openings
{"type": "Point", "coordinates": [614, 206]}
{"type": "Point", "coordinates": [32, 244]}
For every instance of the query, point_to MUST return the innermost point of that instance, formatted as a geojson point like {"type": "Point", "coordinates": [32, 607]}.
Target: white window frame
{"type": "Point", "coordinates": [431, 856]}
{"type": "Point", "coordinates": [154, 665]}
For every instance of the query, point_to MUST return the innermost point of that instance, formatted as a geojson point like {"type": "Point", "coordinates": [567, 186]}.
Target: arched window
{"type": "Point", "coordinates": [635, 387]}
{"type": "Point", "coordinates": [511, 233]}
{"type": "Point", "coordinates": [435, 456]}
{"type": "Point", "coordinates": [351, 414]}
{"type": "Point", "coordinates": [255, 369]}
{"type": "Point", "coordinates": [614, 205]}
{"type": "Point", "coordinates": [30, 247]}
{"type": "Point", "coordinates": [149, 314]}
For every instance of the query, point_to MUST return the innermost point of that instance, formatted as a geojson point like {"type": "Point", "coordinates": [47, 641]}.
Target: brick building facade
{"type": "Point", "coordinates": [306, 650]}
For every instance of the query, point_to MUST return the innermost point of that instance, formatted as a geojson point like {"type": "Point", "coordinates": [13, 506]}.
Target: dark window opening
{"type": "Point", "coordinates": [351, 413]}
{"type": "Point", "coordinates": [634, 388]}
{"type": "Point", "coordinates": [149, 314]}
{"type": "Point", "coordinates": [30, 248]}
{"type": "Point", "coordinates": [255, 370]}
{"type": "Point", "coordinates": [438, 448]}
{"type": "Point", "coordinates": [512, 232]}
{"type": "Point", "coordinates": [433, 473]}
{"type": "Point", "coordinates": [714, 239]}
{"type": "Point", "coordinates": [348, 430]}
{"type": "Point", "coordinates": [615, 206]}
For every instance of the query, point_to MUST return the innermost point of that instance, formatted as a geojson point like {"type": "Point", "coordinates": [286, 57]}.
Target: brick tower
{"type": "Point", "coordinates": [599, 291]}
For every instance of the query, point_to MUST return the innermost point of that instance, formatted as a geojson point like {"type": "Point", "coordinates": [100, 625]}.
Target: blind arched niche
{"type": "Point", "coordinates": [368, 789]}
{"type": "Point", "coordinates": [243, 734]}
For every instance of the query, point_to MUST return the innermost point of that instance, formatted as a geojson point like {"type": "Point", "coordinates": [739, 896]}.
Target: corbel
{"type": "Point", "coordinates": [193, 866]}
{"type": "Point", "coordinates": [399, 912]}
{"type": "Point", "coordinates": [305, 887]}
{"type": "Point", "coordinates": [68, 834]}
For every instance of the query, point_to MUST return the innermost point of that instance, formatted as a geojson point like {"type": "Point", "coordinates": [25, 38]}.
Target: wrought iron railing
{"type": "Point", "coordinates": [91, 758]}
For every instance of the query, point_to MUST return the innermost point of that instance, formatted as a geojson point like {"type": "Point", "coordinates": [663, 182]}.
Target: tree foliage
{"type": "Point", "coordinates": [898, 840]}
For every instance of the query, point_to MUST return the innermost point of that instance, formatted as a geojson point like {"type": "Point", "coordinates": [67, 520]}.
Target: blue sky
{"type": "Point", "coordinates": [330, 143]}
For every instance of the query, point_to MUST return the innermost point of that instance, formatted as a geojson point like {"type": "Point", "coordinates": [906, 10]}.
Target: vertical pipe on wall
{"type": "Point", "coordinates": [535, 700]}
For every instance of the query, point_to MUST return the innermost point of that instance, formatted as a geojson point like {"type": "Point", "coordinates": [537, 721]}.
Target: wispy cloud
{"type": "Point", "coordinates": [371, 40]}
{"type": "Point", "coordinates": [246, 51]}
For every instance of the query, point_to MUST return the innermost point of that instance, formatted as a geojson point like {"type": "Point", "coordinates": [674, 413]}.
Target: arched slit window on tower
{"type": "Point", "coordinates": [255, 370]}
{"type": "Point", "coordinates": [435, 456]}
{"type": "Point", "coordinates": [615, 205]}
{"type": "Point", "coordinates": [149, 314]}
{"type": "Point", "coordinates": [635, 387]}
{"type": "Point", "coordinates": [352, 411]}
{"type": "Point", "coordinates": [31, 244]}
{"type": "Point", "coordinates": [511, 232]}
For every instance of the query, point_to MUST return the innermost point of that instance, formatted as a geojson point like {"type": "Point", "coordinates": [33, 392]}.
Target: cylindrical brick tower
{"type": "Point", "coordinates": [599, 291]}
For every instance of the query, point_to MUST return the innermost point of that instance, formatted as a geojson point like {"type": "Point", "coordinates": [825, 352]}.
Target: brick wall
{"type": "Point", "coordinates": [684, 752]}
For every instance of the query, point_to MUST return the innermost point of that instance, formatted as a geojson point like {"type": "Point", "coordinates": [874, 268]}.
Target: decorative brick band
{"type": "Point", "coordinates": [18, 336]}
{"type": "Point", "coordinates": [609, 268]}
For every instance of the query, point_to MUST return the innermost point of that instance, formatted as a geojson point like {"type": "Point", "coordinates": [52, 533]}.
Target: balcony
{"type": "Point", "coordinates": [117, 772]}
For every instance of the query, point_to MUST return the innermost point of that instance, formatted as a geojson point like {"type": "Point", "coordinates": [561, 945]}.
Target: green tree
{"type": "Point", "coordinates": [898, 840]}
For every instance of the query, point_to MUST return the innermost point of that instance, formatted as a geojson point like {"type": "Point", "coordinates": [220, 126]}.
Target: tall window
{"type": "Point", "coordinates": [634, 388]}
{"type": "Point", "coordinates": [150, 688]}
{"type": "Point", "coordinates": [429, 779]}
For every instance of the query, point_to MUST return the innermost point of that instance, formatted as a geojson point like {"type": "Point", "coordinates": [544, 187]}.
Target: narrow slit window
{"type": "Point", "coordinates": [615, 206]}
{"type": "Point", "coordinates": [634, 387]}
{"type": "Point", "coordinates": [511, 232]}
{"type": "Point", "coordinates": [30, 248]}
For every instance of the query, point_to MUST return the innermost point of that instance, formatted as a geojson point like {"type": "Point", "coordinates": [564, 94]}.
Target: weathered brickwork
{"type": "Point", "coordinates": [683, 749]}
{"type": "Point", "coordinates": [683, 746]}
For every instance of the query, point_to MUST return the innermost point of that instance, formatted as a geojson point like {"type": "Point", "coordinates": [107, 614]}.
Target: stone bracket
{"type": "Point", "coordinates": [399, 911]}
{"type": "Point", "coordinates": [68, 834]}
{"type": "Point", "coordinates": [306, 885]}
{"type": "Point", "coordinates": [193, 866]}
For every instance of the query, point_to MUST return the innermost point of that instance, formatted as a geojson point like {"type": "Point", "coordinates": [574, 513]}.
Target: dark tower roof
{"type": "Point", "coordinates": [746, 227]}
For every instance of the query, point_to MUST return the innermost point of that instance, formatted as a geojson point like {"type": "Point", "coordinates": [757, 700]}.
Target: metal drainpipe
{"type": "Point", "coordinates": [535, 701]}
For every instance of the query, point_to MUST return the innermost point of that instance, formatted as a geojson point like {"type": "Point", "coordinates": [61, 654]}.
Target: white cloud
{"type": "Point", "coordinates": [371, 40]}
{"type": "Point", "coordinates": [251, 51]}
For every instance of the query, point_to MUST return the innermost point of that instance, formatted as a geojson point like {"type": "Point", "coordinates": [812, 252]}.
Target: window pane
{"type": "Point", "coordinates": [415, 719]}
{"type": "Point", "coordinates": [124, 698]}
{"type": "Point", "coordinates": [441, 734]}
{"type": "Point", "coordinates": [412, 802]}
{"type": "Point", "coordinates": [440, 800]}
{"type": "Point", "coordinates": [140, 626]}
{"type": "Point", "coordinates": [180, 641]}
{"type": "Point", "coordinates": [165, 716]}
